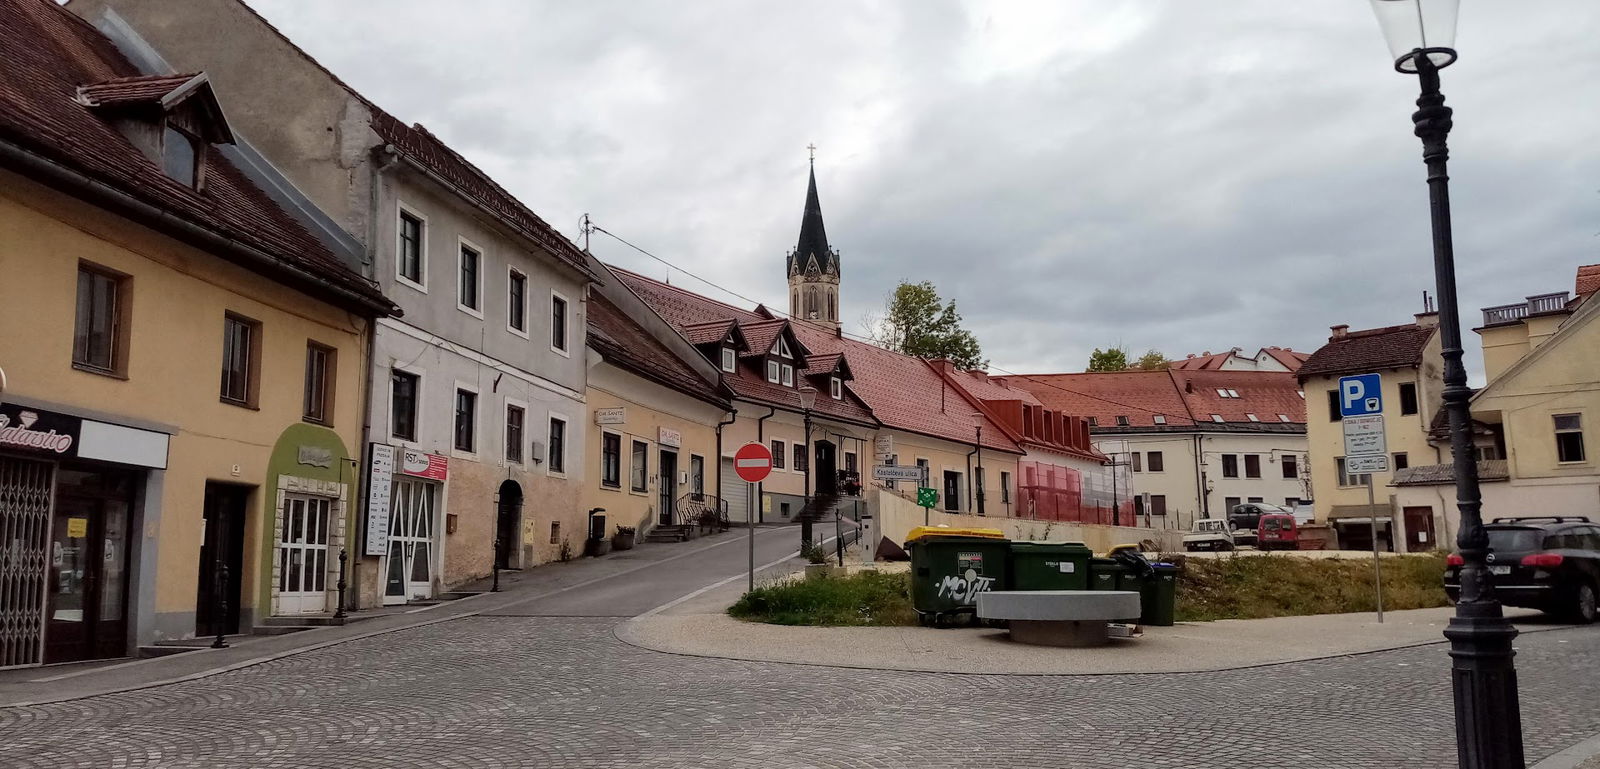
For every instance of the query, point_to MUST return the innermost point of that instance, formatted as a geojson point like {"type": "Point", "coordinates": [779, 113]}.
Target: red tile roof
{"type": "Point", "coordinates": [1291, 359]}
{"type": "Point", "coordinates": [421, 146]}
{"type": "Point", "coordinates": [49, 54]}
{"type": "Point", "coordinates": [142, 89]}
{"type": "Point", "coordinates": [1184, 398]}
{"type": "Point", "coordinates": [762, 334]}
{"type": "Point", "coordinates": [1374, 349]}
{"type": "Point", "coordinates": [1265, 394]}
{"type": "Point", "coordinates": [1138, 395]}
{"type": "Point", "coordinates": [1588, 279]}
{"type": "Point", "coordinates": [625, 344]}
{"type": "Point", "coordinates": [1201, 362]}
{"type": "Point", "coordinates": [708, 332]}
{"type": "Point", "coordinates": [902, 392]}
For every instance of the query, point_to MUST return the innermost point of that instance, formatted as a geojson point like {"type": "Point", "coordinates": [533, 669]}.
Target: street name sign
{"type": "Point", "coordinates": [894, 473]}
{"type": "Point", "coordinates": [1371, 463]}
{"type": "Point", "coordinates": [753, 462]}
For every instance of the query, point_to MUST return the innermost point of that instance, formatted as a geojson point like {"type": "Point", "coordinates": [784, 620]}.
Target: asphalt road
{"type": "Point", "coordinates": [544, 683]}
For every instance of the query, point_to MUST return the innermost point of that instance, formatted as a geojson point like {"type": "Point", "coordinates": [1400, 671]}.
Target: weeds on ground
{"type": "Point", "coordinates": [1256, 586]}
{"type": "Point", "coordinates": [865, 598]}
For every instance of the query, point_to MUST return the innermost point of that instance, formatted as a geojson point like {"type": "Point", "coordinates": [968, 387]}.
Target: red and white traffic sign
{"type": "Point", "coordinates": [753, 462]}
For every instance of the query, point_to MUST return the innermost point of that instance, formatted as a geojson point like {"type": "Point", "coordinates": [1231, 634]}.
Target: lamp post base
{"type": "Point", "coordinates": [1488, 712]}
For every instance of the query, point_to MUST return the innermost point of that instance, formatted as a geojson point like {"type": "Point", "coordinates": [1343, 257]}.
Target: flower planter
{"type": "Point", "coordinates": [596, 547]}
{"type": "Point", "coordinates": [623, 540]}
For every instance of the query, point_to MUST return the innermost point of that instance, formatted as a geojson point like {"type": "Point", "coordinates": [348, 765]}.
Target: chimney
{"type": "Point", "coordinates": [1429, 319]}
{"type": "Point", "coordinates": [1188, 385]}
{"type": "Point", "coordinates": [979, 374]}
{"type": "Point", "coordinates": [838, 332]}
{"type": "Point", "coordinates": [1339, 331]}
{"type": "Point", "coordinates": [945, 364]}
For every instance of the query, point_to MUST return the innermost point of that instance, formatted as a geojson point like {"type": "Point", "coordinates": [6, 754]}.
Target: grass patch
{"type": "Point", "coordinates": [1251, 587]}
{"type": "Point", "coordinates": [864, 598]}
{"type": "Point", "coordinates": [1236, 587]}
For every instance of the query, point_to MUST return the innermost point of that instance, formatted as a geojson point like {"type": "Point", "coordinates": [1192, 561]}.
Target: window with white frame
{"type": "Point", "coordinates": [1159, 419]}
{"type": "Point", "coordinates": [517, 302]}
{"type": "Point", "coordinates": [788, 375]}
{"type": "Point", "coordinates": [558, 322]}
{"type": "Point", "coordinates": [836, 388]}
{"type": "Point", "coordinates": [1216, 417]}
{"type": "Point", "coordinates": [640, 481]}
{"type": "Point", "coordinates": [730, 360]}
{"type": "Point", "coordinates": [516, 417]}
{"type": "Point", "coordinates": [1345, 478]}
{"type": "Point", "coordinates": [466, 420]}
{"type": "Point", "coordinates": [557, 446]}
{"type": "Point", "coordinates": [1569, 438]}
{"type": "Point", "coordinates": [411, 258]}
{"type": "Point", "coordinates": [773, 370]}
{"type": "Point", "coordinates": [469, 279]}
{"type": "Point", "coordinates": [611, 460]}
{"type": "Point", "coordinates": [777, 455]}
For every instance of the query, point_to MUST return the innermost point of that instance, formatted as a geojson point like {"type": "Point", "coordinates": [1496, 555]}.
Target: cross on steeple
{"type": "Point", "coordinates": [813, 148]}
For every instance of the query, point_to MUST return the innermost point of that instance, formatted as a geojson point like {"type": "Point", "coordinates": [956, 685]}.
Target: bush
{"type": "Point", "coordinates": [866, 598]}
{"type": "Point", "coordinates": [1251, 587]}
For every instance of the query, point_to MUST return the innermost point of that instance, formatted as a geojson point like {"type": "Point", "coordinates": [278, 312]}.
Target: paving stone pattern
{"type": "Point", "coordinates": [489, 692]}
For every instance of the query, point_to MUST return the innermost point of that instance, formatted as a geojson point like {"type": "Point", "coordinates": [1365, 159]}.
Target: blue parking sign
{"type": "Point", "coordinates": [1360, 395]}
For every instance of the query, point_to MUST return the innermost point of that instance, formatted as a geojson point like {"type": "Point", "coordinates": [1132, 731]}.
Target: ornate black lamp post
{"type": "Point", "coordinates": [1421, 36]}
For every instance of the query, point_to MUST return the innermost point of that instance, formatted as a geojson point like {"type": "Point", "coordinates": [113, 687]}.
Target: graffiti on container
{"type": "Point", "coordinates": [964, 588]}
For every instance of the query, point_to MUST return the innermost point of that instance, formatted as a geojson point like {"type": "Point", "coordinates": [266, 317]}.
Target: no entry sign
{"type": "Point", "coordinates": [753, 462]}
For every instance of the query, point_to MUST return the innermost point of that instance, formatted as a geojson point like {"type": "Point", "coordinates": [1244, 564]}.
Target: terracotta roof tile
{"type": "Point", "coordinates": [1140, 396]}
{"type": "Point", "coordinates": [1202, 362]}
{"type": "Point", "coordinates": [1266, 394]}
{"type": "Point", "coordinates": [1291, 359]}
{"type": "Point", "coordinates": [626, 344]}
{"type": "Point", "coordinates": [49, 54]}
{"type": "Point", "coordinates": [1440, 475]}
{"type": "Point", "coordinates": [902, 392]}
{"type": "Point", "coordinates": [762, 335]}
{"type": "Point", "coordinates": [132, 90]}
{"type": "Point", "coordinates": [1588, 279]}
{"type": "Point", "coordinates": [708, 332]}
{"type": "Point", "coordinates": [1359, 352]}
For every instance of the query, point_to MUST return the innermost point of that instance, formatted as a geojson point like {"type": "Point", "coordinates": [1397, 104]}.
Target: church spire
{"type": "Point", "coordinates": [813, 266]}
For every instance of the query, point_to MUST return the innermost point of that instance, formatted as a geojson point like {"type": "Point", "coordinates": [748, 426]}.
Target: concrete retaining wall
{"type": "Point", "coordinates": [895, 517]}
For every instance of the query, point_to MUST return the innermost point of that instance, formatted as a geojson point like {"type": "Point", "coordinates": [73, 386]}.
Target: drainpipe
{"type": "Point", "coordinates": [733, 416]}
{"type": "Point", "coordinates": [1200, 480]}
{"type": "Point", "coordinates": [761, 437]}
{"type": "Point", "coordinates": [970, 484]}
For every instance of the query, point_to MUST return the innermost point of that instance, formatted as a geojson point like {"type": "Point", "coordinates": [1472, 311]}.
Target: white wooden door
{"type": "Point", "coordinates": [303, 555]}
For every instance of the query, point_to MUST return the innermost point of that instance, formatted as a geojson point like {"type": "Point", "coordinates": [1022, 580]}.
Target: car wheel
{"type": "Point", "coordinates": [1225, 547]}
{"type": "Point", "coordinates": [1583, 608]}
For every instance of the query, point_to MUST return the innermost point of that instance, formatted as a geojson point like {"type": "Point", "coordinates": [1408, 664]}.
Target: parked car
{"type": "Point", "coordinates": [1245, 520]}
{"type": "Point", "coordinates": [1304, 512]}
{"type": "Point", "coordinates": [1278, 532]}
{"type": "Point", "coordinates": [1209, 534]}
{"type": "Point", "coordinates": [1547, 563]}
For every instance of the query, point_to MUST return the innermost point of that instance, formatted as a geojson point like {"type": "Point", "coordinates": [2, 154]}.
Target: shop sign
{"type": "Point", "coordinates": [670, 437]}
{"type": "Point", "coordinates": [380, 481]}
{"type": "Point", "coordinates": [315, 456]}
{"type": "Point", "coordinates": [883, 444]}
{"type": "Point", "coordinates": [39, 430]}
{"type": "Point", "coordinates": [611, 416]}
{"type": "Point", "coordinates": [424, 465]}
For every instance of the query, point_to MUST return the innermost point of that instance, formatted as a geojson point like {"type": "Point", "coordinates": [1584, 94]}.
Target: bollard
{"type": "Point", "coordinates": [222, 605]}
{"type": "Point", "coordinates": [343, 559]}
{"type": "Point", "coordinates": [495, 588]}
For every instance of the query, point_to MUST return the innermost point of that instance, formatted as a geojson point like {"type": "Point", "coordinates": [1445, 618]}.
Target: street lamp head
{"type": "Point", "coordinates": [1418, 27]}
{"type": "Point", "coordinates": [808, 397]}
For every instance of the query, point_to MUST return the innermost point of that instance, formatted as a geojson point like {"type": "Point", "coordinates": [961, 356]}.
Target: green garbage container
{"type": "Point", "coordinates": [1105, 574]}
{"type": "Point", "coordinates": [1158, 596]}
{"type": "Point", "coordinates": [948, 573]}
{"type": "Point", "coordinates": [1049, 566]}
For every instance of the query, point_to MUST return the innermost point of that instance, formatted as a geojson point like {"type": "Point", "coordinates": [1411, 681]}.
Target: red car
{"type": "Point", "coordinates": [1278, 531]}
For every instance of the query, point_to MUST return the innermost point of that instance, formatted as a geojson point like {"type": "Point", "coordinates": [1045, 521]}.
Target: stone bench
{"type": "Point", "coordinates": [1059, 617]}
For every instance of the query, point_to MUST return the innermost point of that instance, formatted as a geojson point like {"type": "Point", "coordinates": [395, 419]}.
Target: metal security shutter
{"type": "Point", "coordinates": [25, 494]}
{"type": "Point", "coordinates": [735, 492]}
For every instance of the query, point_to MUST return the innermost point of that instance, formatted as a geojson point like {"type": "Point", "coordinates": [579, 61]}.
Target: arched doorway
{"type": "Point", "coordinates": [508, 525]}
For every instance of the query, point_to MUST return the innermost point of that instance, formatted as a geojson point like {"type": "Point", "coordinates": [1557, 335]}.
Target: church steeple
{"type": "Point", "coordinates": [813, 266]}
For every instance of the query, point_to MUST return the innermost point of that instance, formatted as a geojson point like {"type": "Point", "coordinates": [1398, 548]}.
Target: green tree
{"type": "Point", "coordinates": [1152, 361]}
{"type": "Point", "coordinates": [917, 322]}
{"type": "Point", "coordinates": [1109, 359]}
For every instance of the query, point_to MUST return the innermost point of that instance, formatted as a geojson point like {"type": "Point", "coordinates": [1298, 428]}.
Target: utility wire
{"type": "Point", "coordinates": [868, 340]}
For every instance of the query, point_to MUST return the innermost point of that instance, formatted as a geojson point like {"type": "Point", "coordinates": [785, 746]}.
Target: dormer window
{"type": "Point", "coordinates": [836, 388]}
{"type": "Point", "coordinates": [772, 371]}
{"type": "Point", "coordinates": [788, 375]}
{"type": "Point", "coordinates": [730, 360]}
{"type": "Point", "coordinates": [180, 157]}
{"type": "Point", "coordinates": [1252, 417]}
{"type": "Point", "coordinates": [1122, 421]}
{"type": "Point", "coordinates": [783, 348]}
{"type": "Point", "coordinates": [1216, 417]}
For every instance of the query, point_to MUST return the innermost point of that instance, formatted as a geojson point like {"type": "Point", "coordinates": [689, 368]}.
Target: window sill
{"type": "Point", "coordinates": [608, 487]}
{"type": "Point", "coordinates": [473, 311]}
{"type": "Point", "coordinates": [408, 283]}
{"type": "Point", "coordinates": [561, 352]}
{"type": "Point", "coordinates": [241, 404]}
{"type": "Point", "coordinates": [562, 474]}
{"type": "Point", "coordinates": [317, 422]}
{"type": "Point", "coordinates": [107, 373]}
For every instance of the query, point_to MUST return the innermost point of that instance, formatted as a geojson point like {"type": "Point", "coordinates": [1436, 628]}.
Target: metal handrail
{"type": "Point", "coordinates": [694, 507]}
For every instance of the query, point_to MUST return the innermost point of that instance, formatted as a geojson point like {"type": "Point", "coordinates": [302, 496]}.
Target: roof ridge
{"type": "Point", "coordinates": [1377, 331]}
{"type": "Point", "coordinates": [678, 289]}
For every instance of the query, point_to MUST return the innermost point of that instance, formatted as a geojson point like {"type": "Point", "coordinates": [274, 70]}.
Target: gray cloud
{"type": "Point", "coordinates": [1177, 175]}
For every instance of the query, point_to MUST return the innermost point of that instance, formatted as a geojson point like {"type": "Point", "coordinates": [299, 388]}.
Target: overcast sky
{"type": "Point", "coordinates": [1177, 175]}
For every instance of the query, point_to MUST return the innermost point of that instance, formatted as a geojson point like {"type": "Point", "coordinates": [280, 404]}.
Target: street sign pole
{"type": "Point", "coordinates": [1377, 568]}
{"type": "Point", "coordinates": [752, 463]}
{"type": "Point", "coordinates": [750, 523]}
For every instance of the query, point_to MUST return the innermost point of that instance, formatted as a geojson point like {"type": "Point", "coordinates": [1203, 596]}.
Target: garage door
{"type": "Point", "coordinates": [735, 492]}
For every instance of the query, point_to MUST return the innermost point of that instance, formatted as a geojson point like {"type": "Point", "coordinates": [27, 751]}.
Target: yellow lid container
{"type": "Point", "coordinates": [945, 531]}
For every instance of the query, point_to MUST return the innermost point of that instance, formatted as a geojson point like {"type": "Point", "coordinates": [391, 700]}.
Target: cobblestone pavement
{"type": "Point", "coordinates": [562, 691]}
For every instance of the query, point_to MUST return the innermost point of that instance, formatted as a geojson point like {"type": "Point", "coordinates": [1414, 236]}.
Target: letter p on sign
{"type": "Point", "coordinates": [1360, 395]}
